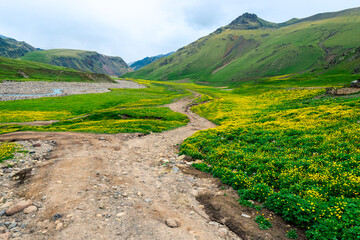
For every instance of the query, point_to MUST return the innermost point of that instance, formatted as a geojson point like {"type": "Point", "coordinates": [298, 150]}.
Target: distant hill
{"type": "Point", "coordinates": [146, 61]}
{"type": "Point", "coordinates": [13, 49]}
{"type": "Point", "coordinates": [12, 69]}
{"type": "Point", "coordinates": [87, 61]}
{"type": "Point", "coordinates": [250, 47]}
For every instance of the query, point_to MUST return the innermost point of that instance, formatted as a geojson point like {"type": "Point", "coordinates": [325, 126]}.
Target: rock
{"type": "Point", "coordinates": [30, 209]}
{"type": "Point", "coordinates": [7, 224]}
{"type": "Point", "coordinates": [356, 83]}
{"type": "Point", "coordinates": [172, 223]}
{"type": "Point", "coordinates": [59, 226]}
{"type": "Point", "coordinates": [99, 215]}
{"type": "Point", "coordinates": [17, 234]}
{"type": "Point", "coordinates": [147, 200]}
{"type": "Point", "coordinates": [2, 213]}
{"type": "Point", "coordinates": [57, 216]}
{"type": "Point", "coordinates": [19, 207]}
{"type": "Point", "coordinates": [102, 139]}
{"type": "Point", "coordinates": [245, 215]}
{"type": "Point", "coordinates": [120, 214]}
{"type": "Point", "coordinates": [12, 225]}
{"type": "Point", "coordinates": [180, 158]}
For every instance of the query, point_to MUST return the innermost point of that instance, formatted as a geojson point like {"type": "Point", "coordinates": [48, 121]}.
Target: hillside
{"type": "Point", "coordinates": [146, 61]}
{"type": "Point", "coordinates": [250, 47]}
{"type": "Point", "coordinates": [12, 69]}
{"type": "Point", "coordinates": [87, 61]}
{"type": "Point", "coordinates": [13, 49]}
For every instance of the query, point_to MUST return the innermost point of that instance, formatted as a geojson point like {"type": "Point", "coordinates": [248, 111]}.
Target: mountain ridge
{"type": "Point", "coordinates": [12, 48]}
{"type": "Point", "coordinates": [88, 61]}
{"type": "Point", "coordinates": [250, 47]}
{"type": "Point", "coordinates": [14, 69]}
{"type": "Point", "coordinates": [147, 60]}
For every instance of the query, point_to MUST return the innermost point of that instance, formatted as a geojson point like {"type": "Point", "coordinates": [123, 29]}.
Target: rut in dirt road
{"type": "Point", "coordinates": [123, 186]}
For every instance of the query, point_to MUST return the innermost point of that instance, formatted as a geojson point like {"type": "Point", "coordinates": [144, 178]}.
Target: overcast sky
{"type": "Point", "coordinates": [135, 29]}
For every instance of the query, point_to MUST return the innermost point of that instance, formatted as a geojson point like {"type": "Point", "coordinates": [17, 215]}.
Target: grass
{"type": "Point", "coordinates": [122, 110]}
{"type": "Point", "coordinates": [297, 155]}
{"type": "Point", "coordinates": [7, 150]}
{"type": "Point", "coordinates": [275, 142]}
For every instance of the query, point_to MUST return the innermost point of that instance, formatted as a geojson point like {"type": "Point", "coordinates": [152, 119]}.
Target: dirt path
{"type": "Point", "coordinates": [128, 186]}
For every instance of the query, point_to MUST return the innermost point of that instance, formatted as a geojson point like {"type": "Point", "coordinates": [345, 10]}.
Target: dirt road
{"type": "Point", "coordinates": [127, 186]}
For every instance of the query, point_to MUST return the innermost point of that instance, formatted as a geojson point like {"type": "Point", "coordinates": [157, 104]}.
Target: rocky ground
{"type": "Point", "coordinates": [30, 90]}
{"type": "Point", "coordinates": [124, 186]}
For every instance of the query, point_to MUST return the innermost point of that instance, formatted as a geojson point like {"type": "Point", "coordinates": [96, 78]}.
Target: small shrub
{"type": "Point", "coordinates": [292, 234]}
{"type": "Point", "coordinates": [263, 222]}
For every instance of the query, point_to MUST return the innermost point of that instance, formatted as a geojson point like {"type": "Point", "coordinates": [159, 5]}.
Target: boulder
{"type": "Point", "coordinates": [19, 207]}
{"type": "Point", "coordinates": [172, 223]}
{"type": "Point", "coordinates": [30, 209]}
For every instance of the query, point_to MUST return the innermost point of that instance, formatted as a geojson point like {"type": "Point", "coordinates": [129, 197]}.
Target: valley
{"type": "Point", "coordinates": [250, 132]}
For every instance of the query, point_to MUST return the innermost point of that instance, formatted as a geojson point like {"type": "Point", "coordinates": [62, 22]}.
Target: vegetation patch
{"type": "Point", "coordinates": [122, 110]}
{"type": "Point", "coordinates": [297, 155]}
{"type": "Point", "coordinates": [7, 150]}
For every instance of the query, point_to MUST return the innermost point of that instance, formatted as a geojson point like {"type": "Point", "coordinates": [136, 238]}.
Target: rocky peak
{"type": "Point", "coordinates": [250, 21]}
{"type": "Point", "coordinates": [246, 18]}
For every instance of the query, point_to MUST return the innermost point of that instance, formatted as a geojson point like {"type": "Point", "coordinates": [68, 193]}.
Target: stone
{"type": "Point", "coordinates": [12, 225]}
{"type": "Point", "coordinates": [180, 158]}
{"type": "Point", "coordinates": [30, 209]}
{"type": "Point", "coordinates": [245, 215]}
{"type": "Point", "coordinates": [7, 224]}
{"type": "Point", "coordinates": [19, 207]}
{"type": "Point", "coordinates": [147, 200]}
{"type": "Point", "coordinates": [120, 214]}
{"type": "Point", "coordinates": [172, 223]}
{"type": "Point", "coordinates": [17, 234]}
{"type": "Point", "coordinates": [59, 226]}
{"type": "Point", "coordinates": [57, 216]}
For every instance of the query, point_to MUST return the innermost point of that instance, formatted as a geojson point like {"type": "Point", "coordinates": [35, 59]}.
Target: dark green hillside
{"type": "Point", "coordinates": [146, 61]}
{"type": "Point", "coordinates": [250, 47]}
{"type": "Point", "coordinates": [11, 69]}
{"type": "Point", "coordinates": [87, 61]}
{"type": "Point", "coordinates": [13, 49]}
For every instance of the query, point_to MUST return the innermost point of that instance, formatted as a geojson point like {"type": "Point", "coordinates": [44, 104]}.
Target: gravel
{"type": "Point", "coordinates": [30, 90]}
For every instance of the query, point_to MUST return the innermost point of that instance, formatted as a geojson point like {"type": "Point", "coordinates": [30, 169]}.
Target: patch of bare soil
{"type": "Point", "coordinates": [126, 186]}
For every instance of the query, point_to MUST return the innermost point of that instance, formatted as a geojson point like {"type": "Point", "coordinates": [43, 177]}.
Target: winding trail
{"type": "Point", "coordinates": [122, 186]}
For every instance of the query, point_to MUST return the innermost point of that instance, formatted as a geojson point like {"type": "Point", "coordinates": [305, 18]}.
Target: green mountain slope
{"type": "Point", "coordinates": [12, 69]}
{"type": "Point", "coordinates": [87, 61]}
{"type": "Point", "coordinates": [146, 61]}
{"type": "Point", "coordinates": [250, 47]}
{"type": "Point", "coordinates": [13, 49]}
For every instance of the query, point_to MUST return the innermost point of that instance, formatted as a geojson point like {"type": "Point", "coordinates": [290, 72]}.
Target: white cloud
{"type": "Point", "coordinates": [138, 28]}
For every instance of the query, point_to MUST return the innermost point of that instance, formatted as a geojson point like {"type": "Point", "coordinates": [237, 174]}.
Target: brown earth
{"type": "Point", "coordinates": [126, 186]}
